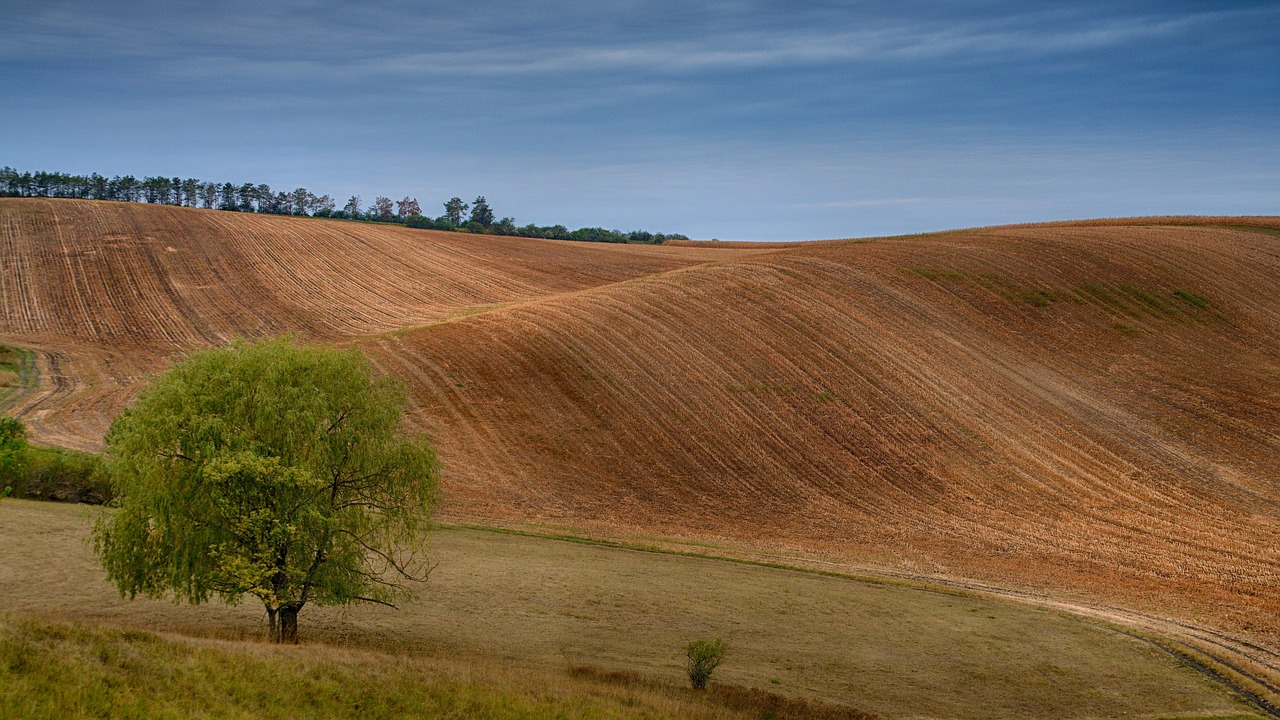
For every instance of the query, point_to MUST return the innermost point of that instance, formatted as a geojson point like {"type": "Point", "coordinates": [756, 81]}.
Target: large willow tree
{"type": "Point", "coordinates": [275, 470]}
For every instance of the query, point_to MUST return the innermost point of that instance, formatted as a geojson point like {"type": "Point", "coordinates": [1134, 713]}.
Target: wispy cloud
{"type": "Point", "coordinates": [317, 45]}
{"type": "Point", "coordinates": [1033, 37]}
{"type": "Point", "coordinates": [869, 202]}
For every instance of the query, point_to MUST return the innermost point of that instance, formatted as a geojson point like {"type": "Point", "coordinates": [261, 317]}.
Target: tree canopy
{"type": "Point", "coordinates": [454, 209]}
{"type": "Point", "coordinates": [481, 213]}
{"type": "Point", "coordinates": [13, 445]}
{"type": "Point", "coordinates": [269, 469]}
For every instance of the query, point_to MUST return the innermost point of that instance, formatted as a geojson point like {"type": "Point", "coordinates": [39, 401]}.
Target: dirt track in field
{"type": "Point", "coordinates": [1088, 411]}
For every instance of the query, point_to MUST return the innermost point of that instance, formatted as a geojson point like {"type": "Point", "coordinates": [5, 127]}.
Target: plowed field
{"type": "Point", "coordinates": [1089, 411]}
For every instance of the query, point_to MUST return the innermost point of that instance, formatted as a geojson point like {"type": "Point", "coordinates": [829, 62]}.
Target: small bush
{"type": "Point", "coordinates": [13, 452]}
{"type": "Point", "coordinates": [65, 475]}
{"type": "Point", "coordinates": [48, 473]}
{"type": "Point", "coordinates": [704, 656]}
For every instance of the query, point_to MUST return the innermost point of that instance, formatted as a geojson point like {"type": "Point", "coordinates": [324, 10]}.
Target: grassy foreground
{"type": "Point", "coordinates": [61, 671]}
{"type": "Point", "coordinates": [505, 617]}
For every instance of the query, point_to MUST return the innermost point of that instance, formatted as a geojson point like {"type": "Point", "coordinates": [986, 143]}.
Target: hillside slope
{"type": "Point", "coordinates": [1088, 409]}
{"type": "Point", "coordinates": [107, 291]}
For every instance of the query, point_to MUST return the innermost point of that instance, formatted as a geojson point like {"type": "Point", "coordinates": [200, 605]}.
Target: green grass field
{"type": "Point", "coordinates": [518, 612]}
{"type": "Point", "coordinates": [17, 372]}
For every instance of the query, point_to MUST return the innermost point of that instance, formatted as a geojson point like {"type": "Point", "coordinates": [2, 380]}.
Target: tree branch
{"type": "Point", "coordinates": [376, 602]}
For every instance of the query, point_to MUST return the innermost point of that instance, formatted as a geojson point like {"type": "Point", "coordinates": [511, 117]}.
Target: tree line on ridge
{"type": "Point", "coordinates": [476, 216]}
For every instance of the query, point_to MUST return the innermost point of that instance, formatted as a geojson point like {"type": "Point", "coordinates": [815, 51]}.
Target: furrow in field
{"type": "Point", "coordinates": [976, 428]}
{"type": "Point", "coordinates": [1088, 410]}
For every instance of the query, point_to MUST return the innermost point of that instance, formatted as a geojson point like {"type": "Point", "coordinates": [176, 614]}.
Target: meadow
{"type": "Point", "coordinates": [570, 618]}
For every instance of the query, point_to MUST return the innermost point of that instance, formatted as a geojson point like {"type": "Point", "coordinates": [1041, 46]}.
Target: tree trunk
{"type": "Point", "coordinates": [274, 634]}
{"type": "Point", "coordinates": [289, 624]}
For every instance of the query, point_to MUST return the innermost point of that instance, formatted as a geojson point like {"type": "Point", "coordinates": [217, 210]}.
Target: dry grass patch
{"type": "Point", "coordinates": [503, 600]}
{"type": "Point", "coordinates": [72, 671]}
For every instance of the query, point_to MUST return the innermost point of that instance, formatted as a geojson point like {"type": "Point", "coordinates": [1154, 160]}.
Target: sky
{"type": "Point", "coordinates": [737, 120]}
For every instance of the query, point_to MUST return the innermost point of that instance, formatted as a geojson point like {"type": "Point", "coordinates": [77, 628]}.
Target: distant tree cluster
{"type": "Point", "coordinates": [476, 216]}
{"type": "Point", "coordinates": [188, 192]}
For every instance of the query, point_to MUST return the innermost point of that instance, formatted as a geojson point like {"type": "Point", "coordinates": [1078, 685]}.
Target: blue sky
{"type": "Point", "coordinates": [749, 119]}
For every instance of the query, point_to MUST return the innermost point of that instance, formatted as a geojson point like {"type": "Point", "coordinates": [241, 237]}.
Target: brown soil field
{"type": "Point", "coordinates": [1085, 413]}
{"type": "Point", "coordinates": [107, 292]}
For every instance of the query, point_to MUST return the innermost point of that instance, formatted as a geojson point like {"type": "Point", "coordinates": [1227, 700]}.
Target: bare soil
{"type": "Point", "coordinates": [1087, 413]}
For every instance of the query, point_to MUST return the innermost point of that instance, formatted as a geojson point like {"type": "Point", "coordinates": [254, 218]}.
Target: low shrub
{"type": "Point", "coordinates": [704, 656]}
{"type": "Point", "coordinates": [49, 473]}
{"type": "Point", "coordinates": [64, 475]}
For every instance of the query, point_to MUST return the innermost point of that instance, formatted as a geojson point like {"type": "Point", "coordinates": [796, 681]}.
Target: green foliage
{"type": "Point", "coordinates": [505, 226]}
{"type": "Point", "coordinates": [481, 213]}
{"type": "Point", "coordinates": [426, 223]}
{"type": "Point", "coordinates": [48, 473]}
{"type": "Point", "coordinates": [591, 234]}
{"type": "Point", "coordinates": [454, 209]}
{"type": "Point", "coordinates": [272, 469]}
{"type": "Point", "coordinates": [11, 358]}
{"type": "Point", "coordinates": [13, 451]}
{"type": "Point", "coordinates": [596, 234]}
{"type": "Point", "coordinates": [248, 197]}
{"type": "Point", "coordinates": [63, 475]}
{"type": "Point", "coordinates": [704, 657]}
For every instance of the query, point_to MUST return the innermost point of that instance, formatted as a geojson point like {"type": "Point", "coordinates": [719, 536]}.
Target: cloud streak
{"type": "Point", "coordinates": [315, 45]}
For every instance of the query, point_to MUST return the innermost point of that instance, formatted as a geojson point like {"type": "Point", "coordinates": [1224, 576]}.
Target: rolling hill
{"type": "Point", "coordinates": [1085, 411]}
